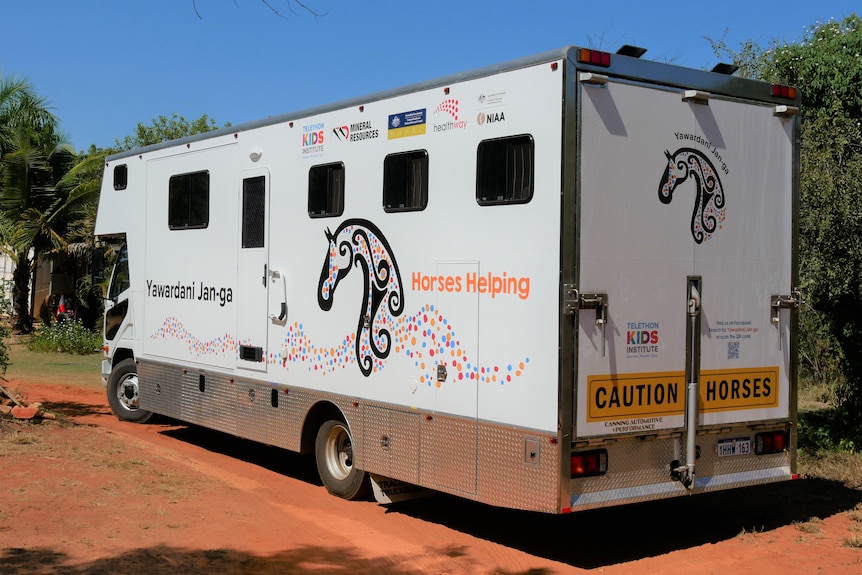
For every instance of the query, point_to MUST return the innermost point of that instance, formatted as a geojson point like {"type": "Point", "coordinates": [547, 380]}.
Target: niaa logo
{"type": "Point", "coordinates": [709, 211]}
{"type": "Point", "coordinates": [490, 117]}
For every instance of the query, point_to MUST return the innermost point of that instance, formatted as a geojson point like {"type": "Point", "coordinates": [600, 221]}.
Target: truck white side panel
{"type": "Point", "coordinates": [459, 272]}
{"type": "Point", "coordinates": [672, 189]}
{"type": "Point", "coordinates": [190, 275]}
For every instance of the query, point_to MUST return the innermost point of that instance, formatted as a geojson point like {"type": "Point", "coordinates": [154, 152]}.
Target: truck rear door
{"type": "Point", "coordinates": [676, 193]}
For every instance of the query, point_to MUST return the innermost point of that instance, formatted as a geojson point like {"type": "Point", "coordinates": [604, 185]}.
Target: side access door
{"type": "Point", "coordinates": [253, 273]}
{"type": "Point", "coordinates": [686, 215]}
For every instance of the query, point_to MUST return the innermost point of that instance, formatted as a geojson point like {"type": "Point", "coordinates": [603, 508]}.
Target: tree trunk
{"type": "Point", "coordinates": [21, 293]}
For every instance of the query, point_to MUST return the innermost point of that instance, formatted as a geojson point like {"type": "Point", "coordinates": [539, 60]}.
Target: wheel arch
{"type": "Point", "coordinates": [319, 413]}
{"type": "Point", "coordinates": [120, 354]}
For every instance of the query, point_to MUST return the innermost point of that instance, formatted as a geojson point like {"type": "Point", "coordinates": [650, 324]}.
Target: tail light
{"type": "Point", "coordinates": [770, 442]}
{"type": "Point", "coordinates": [587, 463]}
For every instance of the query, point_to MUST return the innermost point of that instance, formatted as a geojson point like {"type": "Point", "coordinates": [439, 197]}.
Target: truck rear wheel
{"type": "Point", "coordinates": [123, 392]}
{"type": "Point", "coordinates": [333, 451]}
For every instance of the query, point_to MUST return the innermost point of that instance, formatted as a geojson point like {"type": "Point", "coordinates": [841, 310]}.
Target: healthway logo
{"type": "Point", "coordinates": [450, 107]}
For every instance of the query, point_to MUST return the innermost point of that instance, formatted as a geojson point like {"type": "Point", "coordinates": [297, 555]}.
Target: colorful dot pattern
{"type": "Point", "coordinates": [172, 328]}
{"type": "Point", "coordinates": [426, 338]}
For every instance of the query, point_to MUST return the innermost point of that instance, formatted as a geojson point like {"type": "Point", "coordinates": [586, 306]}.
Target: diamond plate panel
{"type": "Point", "coordinates": [639, 470]}
{"type": "Point", "coordinates": [284, 423]}
{"type": "Point", "coordinates": [716, 473]}
{"type": "Point", "coordinates": [253, 404]}
{"type": "Point", "coordinates": [160, 389]}
{"type": "Point", "coordinates": [209, 400]}
{"type": "Point", "coordinates": [509, 477]}
{"type": "Point", "coordinates": [448, 459]}
{"type": "Point", "coordinates": [390, 443]}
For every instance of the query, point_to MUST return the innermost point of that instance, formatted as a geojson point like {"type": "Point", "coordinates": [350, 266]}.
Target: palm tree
{"type": "Point", "coordinates": [19, 106]}
{"type": "Point", "coordinates": [34, 157]}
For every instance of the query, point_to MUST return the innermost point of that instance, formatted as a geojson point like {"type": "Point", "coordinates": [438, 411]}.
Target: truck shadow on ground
{"type": "Point", "coordinates": [586, 539]}
{"type": "Point", "coordinates": [603, 537]}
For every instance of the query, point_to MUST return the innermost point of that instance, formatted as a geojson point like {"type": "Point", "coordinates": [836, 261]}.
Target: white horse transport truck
{"type": "Point", "coordinates": [560, 283]}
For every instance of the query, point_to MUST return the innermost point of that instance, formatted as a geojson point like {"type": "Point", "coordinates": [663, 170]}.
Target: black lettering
{"type": "Point", "coordinates": [710, 390]}
{"type": "Point", "coordinates": [628, 399]}
{"type": "Point", "coordinates": [723, 389]}
{"type": "Point", "coordinates": [767, 389]}
{"type": "Point", "coordinates": [746, 388]}
{"type": "Point", "coordinates": [659, 394]}
{"type": "Point", "coordinates": [615, 398]}
{"type": "Point", "coordinates": [600, 403]}
{"type": "Point", "coordinates": [734, 389]}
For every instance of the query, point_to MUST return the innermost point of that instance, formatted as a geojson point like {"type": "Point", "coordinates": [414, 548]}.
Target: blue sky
{"type": "Point", "coordinates": [106, 65]}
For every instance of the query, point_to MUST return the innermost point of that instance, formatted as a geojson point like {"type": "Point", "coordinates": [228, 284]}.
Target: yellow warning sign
{"type": "Point", "coordinates": [624, 396]}
{"type": "Point", "coordinates": [732, 389]}
{"type": "Point", "coordinates": [637, 395]}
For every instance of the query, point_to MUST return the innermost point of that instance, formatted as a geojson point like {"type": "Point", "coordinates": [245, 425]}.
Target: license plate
{"type": "Point", "coordinates": [728, 447]}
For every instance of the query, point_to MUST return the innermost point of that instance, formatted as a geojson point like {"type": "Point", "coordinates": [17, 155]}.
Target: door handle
{"type": "Point", "coordinates": [281, 318]}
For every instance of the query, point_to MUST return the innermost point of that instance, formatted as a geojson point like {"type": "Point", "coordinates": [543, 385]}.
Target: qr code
{"type": "Point", "coordinates": [733, 350]}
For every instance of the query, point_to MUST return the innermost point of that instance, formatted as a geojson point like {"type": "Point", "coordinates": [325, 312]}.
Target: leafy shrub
{"type": "Point", "coordinates": [832, 429]}
{"type": "Point", "coordinates": [66, 337]}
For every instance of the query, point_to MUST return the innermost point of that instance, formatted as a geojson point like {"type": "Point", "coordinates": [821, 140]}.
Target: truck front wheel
{"type": "Point", "coordinates": [333, 451]}
{"type": "Point", "coordinates": [123, 392]}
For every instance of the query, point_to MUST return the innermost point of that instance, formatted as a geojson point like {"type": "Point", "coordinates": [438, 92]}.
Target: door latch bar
{"type": "Point", "coordinates": [779, 302]}
{"type": "Point", "coordinates": [574, 301]}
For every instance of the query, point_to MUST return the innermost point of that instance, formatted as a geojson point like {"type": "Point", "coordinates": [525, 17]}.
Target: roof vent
{"type": "Point", "coordinates": [633, 51]}
{"type": "Point", "coordinates": [724, 68]}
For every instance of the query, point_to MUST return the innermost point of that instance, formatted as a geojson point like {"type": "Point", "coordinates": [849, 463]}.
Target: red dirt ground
{"type": "Point", "coordinates": [90, 494]}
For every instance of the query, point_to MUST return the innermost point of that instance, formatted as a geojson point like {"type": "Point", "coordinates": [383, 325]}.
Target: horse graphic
{"type": "Point", "coordinates": [359, 243]}
{"type": "Point", "coordinates": [709, 208]}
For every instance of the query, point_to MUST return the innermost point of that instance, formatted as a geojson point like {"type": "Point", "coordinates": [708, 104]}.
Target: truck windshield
{"type": "Point", "coordinates": [120, 275]}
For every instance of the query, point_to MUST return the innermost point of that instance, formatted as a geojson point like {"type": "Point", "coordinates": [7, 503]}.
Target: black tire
{"type": "Point", "coordinates": [333, 452]}
{"type": "Point", "coordinates": [123, 392]}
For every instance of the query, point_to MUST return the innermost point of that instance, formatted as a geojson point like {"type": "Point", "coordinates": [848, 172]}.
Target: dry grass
{"type": "Point", "coordinates": [68, 445]}
{"type": "Point", "coordinates": [813, 526]}
{"type": "Point", "coordinates": [843, 467]}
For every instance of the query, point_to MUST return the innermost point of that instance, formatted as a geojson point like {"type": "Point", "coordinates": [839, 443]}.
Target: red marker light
{"type": "Point", "coordinates": [782, 91]}
{"type": "Point", "coordinates": [594, 57]}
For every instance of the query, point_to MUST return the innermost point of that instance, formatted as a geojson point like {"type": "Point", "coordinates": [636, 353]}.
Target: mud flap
{"type": "Point", "coordinates": [394, 491]}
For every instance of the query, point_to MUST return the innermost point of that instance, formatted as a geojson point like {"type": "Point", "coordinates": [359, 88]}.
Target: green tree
{"type": "Point", "coordinates": [163, 129]}
{"type": "Point", "coordinates": [85, 180]}
{"type": "Point", "coordinates": [826, 65]}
